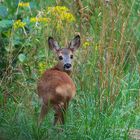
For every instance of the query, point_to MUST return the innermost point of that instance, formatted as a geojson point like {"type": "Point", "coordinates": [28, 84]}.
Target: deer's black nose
{"type": "Point", "coordinates": [67, 66]}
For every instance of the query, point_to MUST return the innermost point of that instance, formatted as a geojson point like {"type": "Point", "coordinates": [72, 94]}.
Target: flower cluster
{"type": "Point", "coordinates": [58, 9]}
{"type": "Point", "coordinates": [18, 24]}
{"type": "Point", "coordinates": [40, 19]}
{"type": "Point", "coordinates": [42, 67]}
{"type": "Point", "coordinates": [23, 4]}
{"type": "Point", "coordinates": [61, 13]}
{"type": "Point", "coordinates": [86, 44]}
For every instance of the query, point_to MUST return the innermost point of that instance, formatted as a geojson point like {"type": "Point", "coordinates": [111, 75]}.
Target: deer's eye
{"type": "Point", "coordinates": [71, 56]}
{"type": "Point", "coordinates": [60, 58]}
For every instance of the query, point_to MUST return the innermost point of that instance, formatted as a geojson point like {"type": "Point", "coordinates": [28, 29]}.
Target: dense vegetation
{"type": "Point", "coordinates": [106, 70]}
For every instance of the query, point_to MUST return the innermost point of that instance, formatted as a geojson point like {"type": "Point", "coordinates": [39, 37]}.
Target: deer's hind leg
{"type": "Point", "coordinates": [60, 111]}
{"type": "Point", "coordinates": [44, 111]}
{"type": "Point", "coordinates": [58, 116]}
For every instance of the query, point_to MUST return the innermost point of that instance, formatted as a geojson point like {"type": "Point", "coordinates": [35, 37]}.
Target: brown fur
{"type": "Point", "coordinates": [56, 89]}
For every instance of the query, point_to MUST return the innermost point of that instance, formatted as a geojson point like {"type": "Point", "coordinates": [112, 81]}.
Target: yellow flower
{"type": "Point", "coordinates": [35, 19]}
{"type": "Point", "coordinates": [42, 67]}
{"type": "Point", "coordinates": [23, 4]}
{"type": "Point", "coordinates": [62, 8]}
{"type": "Point", "coordinates": [57, 9]}
{"type": "Point", "coordinates": [61, 13]}
{"type": "Point", "coordinates": [67, 16]}
{"type": "Point", "coordinates": [18, 24]}
{"type": "Point", "coordinates": [86, 44]}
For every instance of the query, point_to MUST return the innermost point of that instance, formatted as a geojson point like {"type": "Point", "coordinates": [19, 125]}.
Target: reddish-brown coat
{"type": "Point", "coordinates": [55, 89]}
{"type": "Point", "coordinates": [50, 80]}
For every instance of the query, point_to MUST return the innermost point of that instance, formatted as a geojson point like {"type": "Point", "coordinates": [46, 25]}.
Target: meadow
{"type": "Point", "coordinates": [106, 68]}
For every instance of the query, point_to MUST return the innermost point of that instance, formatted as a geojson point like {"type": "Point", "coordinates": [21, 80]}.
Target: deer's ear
{"type": "Point", "coordinates": [75, 43]}
{"type": "Point", "coordinates": [53, 45]}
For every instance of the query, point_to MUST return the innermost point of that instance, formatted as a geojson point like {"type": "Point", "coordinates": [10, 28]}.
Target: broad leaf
{"type": "Point", "coordinates": [3, 11]}
{"type": "Point", "coordinates": [4, 24]}
{"type": "Point", "coordinates": [22, 57]}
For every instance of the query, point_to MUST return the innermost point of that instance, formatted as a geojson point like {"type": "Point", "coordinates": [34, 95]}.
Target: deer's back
{"type": "Point", "coordinates": [56, 87]}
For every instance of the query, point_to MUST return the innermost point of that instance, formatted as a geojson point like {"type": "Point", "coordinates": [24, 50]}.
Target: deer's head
{"type": "Point", "coordinates": [65, 55]}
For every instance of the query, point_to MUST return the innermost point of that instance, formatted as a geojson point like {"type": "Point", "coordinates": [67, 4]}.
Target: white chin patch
{"type": "Point", "coordinates": [67, 69]}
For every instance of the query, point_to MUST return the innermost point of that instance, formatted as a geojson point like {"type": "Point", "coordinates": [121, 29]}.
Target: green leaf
{"type": "Point", "coordinates": [3, 11]}
{"type": "Point", "coordinates": [4, 24]}
{"type": "Point", "coordinates": [33, 5]}
{"type": "Point", "coordinates": [22, 57]}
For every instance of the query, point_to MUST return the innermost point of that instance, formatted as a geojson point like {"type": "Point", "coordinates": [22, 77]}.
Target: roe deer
{"type": "Point", "coordinates": [55, 87]}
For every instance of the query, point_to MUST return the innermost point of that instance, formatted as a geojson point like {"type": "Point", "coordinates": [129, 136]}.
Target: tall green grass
{"type": "Point", "coordinates": [106, 73]}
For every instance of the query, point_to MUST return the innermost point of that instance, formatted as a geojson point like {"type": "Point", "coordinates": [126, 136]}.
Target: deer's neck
{"type": "Point", "coordinates": [59, 67]}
